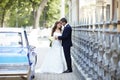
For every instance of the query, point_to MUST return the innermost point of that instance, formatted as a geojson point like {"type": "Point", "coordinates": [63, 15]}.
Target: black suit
{"type": "Point", "coordinates": [67, 43]}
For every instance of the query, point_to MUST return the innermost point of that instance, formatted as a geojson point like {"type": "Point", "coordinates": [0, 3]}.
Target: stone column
{"type": "Point", "coordinates": [118, 10]}
{"type": "Point", "coordinates": [118, 15]}
{"type": "Point", "coordinates": [111, 10]}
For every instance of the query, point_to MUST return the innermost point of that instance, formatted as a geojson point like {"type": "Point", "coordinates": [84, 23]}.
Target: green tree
{"type": "Point", "coordinates": [53, 12]}
{"type": "Point", "coordinates": [5, 6]}
{"type": "Point", "coordinates": [37, 10]}
{"type": "Point", "coordinates": [21, 13]}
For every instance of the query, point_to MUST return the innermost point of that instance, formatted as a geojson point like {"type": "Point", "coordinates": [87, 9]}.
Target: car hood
{"type": "Point", "coordinates": [14, 60]}
{"type": "Point", "coordinates": [13, 56]}
{"type": "Point", "coordinates": [12, 50]}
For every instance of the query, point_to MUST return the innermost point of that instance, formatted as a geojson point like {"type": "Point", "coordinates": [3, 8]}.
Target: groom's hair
{"type": "Point", "coordinates": [63, 20]}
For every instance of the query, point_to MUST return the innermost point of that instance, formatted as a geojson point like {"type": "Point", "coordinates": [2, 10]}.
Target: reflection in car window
{"type": "Point", "coordinates": [10, 39]}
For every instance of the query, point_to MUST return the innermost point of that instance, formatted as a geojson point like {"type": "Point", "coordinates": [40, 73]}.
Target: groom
{"type": "Point", "coordinates": [66, 43]}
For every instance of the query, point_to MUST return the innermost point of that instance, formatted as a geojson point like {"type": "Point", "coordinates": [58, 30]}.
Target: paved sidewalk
{"type": "Point", "coordinates": [42, 50]}
{"type": "Point", "coordinates": [63, 76]}
{"type": "Point", "coordinates": [75, 75]}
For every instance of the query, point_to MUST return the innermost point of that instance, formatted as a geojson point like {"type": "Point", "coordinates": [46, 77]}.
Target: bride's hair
{"type": "Point", "coordinates": [55, 27]}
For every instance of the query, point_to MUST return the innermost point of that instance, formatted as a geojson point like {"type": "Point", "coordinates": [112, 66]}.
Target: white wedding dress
{"type": "Point", "coordinates": [54, 61]}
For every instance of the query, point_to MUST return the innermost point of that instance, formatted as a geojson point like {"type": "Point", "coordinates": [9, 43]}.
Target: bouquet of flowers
{"type": "Point", "coordinates": [51, 40]}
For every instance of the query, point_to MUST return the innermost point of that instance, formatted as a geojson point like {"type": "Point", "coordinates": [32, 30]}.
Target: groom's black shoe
{"type": "Point", "coordinates": [67, 71]}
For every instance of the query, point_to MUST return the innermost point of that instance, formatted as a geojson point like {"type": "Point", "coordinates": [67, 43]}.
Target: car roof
{"type": "Point", "coordinates": [12, 29]}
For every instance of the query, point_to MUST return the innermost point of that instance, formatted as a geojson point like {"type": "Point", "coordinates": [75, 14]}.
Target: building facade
{"type": "Point", "coordinates": [96, 37]}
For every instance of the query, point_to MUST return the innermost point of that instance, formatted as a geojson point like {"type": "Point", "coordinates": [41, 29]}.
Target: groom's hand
{"type": "Point", "coordinates": [56, 37]}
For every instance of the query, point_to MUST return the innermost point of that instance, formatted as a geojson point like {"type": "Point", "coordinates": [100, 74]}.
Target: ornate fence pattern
{"type": "Point", "coordinates": [96, 49]}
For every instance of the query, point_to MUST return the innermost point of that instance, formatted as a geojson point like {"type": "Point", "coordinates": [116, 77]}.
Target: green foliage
{"type": "Point", "coordinates": [52, 12]}
{"type": "Point", "coordinates": [66, 7]}
{"type": "Point", "coordinates": [5, 6]}
{"type": "Point", "coordinates": [19, 13]}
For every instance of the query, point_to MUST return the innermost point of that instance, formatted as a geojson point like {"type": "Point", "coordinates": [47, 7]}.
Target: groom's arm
{"type": "Point", "coordinates": [66, 33]}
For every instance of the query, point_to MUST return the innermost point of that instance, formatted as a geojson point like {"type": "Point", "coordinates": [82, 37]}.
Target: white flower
{"type": "Point", "coordinates": [51, 39]}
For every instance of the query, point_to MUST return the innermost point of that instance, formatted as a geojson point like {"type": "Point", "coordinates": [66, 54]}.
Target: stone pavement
{"type": "Point", "coordinates": [75, 75]}
{"type": "Point", "coordinates": [42, 50]}
{"type": "Point", "coordinates": [62, 76]}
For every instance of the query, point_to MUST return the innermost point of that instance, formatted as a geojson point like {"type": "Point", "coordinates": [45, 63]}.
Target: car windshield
{"type": "Point", "coordinates": [10, 39]}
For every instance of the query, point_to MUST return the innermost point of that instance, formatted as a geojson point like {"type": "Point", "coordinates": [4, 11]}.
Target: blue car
{"type": "Point", "coordinates": [17, 57]}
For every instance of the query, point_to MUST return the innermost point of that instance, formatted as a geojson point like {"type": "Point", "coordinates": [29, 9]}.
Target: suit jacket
{"type": "Point", "coordinates": [66, 36]}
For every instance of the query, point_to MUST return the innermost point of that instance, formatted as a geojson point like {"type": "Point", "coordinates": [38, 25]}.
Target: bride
{"type": "Point", "coordinates": [54, 61]}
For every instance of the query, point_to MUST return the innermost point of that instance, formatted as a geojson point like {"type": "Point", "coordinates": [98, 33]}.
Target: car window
{"type": "Point", "coordinates": [10, 39]}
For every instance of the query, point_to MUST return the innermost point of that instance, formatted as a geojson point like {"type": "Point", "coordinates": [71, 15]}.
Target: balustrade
{"type": "Point", "coordinates": [97, 51]}
{"type": "Point", "coordinates": [96, 40]}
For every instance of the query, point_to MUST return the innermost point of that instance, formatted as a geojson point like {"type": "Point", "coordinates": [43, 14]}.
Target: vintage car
{"type": "Point", "coordinates": [17, 57]}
